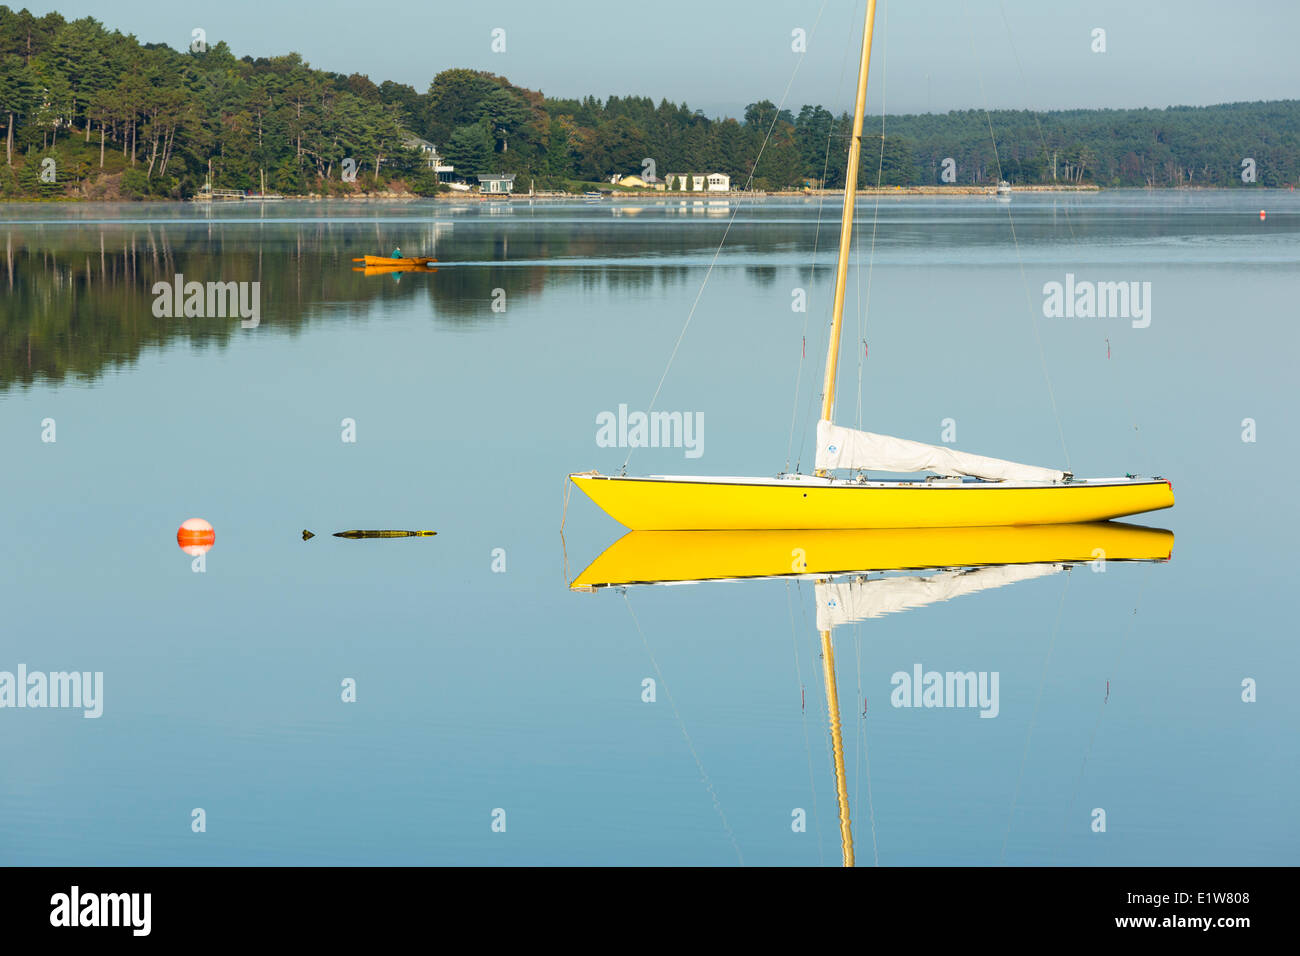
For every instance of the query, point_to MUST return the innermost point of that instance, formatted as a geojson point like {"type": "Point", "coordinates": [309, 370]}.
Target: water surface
{"type": "Point", "coordinates": [475, 390]}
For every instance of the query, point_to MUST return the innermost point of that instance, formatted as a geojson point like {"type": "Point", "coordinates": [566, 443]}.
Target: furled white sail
{"type": "Point", "coordinates": [839, 447]}
{"type": "Point", "coordinates": [844, 602]}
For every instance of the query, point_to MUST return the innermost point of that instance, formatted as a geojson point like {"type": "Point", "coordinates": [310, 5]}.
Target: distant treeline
{"type": "Point", "coordinates": [121, 119]}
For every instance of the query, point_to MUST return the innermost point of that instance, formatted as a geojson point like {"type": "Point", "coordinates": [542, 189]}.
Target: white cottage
{"type": "Point", "coordinates": [499, 183]}
{"type": "Point", "coordinates": [699, 182]}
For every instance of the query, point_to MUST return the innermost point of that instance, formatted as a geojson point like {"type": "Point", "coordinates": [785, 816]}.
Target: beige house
{"type": "Point", "coordinates": [638, 182]}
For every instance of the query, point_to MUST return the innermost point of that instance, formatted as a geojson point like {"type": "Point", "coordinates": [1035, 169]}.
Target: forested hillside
{"type": "Point", "coordinates": [125, 119]}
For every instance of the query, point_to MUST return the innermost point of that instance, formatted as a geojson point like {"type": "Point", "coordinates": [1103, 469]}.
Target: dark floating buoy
{"type": "Point", "coordinates": [384, 534]}
{"type": "Point", "coordinates": [306, 534]}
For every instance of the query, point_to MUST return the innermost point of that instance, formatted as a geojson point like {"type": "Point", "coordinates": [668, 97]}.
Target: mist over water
{"type": "Point", "coordinates": [475, 389]}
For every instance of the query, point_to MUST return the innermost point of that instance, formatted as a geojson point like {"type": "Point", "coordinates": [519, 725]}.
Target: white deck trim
{"type": "Point", "coordinates": [947, 484]}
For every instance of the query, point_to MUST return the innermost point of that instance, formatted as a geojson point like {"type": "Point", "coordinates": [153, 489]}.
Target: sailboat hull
{"type": "Point", "coordinates": [802, 502]}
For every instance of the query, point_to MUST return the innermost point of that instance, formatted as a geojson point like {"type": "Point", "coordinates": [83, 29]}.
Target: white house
{"type": "Point", "coordinates": [430, 155]}
{"type": "Point", "coordinates": [699, 182]}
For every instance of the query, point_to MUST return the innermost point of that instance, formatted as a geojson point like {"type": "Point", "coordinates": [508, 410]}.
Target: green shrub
{"type": "Point", "coordinates": [135, 184]}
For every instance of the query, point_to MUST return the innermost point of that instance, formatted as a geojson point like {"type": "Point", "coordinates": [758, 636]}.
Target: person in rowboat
{"type": "Point", "coordinates": [397, 253]}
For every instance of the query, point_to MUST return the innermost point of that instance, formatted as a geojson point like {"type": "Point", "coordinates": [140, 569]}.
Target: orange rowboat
{"type": "Point", "coordinates": [386, 261]}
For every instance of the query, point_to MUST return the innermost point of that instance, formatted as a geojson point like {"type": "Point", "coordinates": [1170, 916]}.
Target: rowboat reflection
{"type": "Point", "coordinates": [391, 270]}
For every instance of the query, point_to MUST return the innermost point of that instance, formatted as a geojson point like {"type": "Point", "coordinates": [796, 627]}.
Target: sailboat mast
{"type": "Point", "coordinates": [837, 747]}
{"type": "Point", "coordinates": [846, 221]}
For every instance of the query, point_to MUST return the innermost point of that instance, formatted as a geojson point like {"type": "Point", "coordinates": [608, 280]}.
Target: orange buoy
{"type": "Point", "coordinates": [1261, 214]}
{"type": "Point", "coordinates": [195, 536]}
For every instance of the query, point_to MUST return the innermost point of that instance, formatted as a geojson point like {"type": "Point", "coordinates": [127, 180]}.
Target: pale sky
{"type": "Point", "coordinates": [718, 56]}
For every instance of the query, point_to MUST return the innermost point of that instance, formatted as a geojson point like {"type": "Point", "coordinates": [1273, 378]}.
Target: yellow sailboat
{"type": "Point", "coordinates": [963, 490]}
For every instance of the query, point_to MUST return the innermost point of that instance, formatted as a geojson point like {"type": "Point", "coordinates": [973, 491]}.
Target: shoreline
{"type": "Point", "coordinates": [648, 196]}
{"type": "Point", "coordinates": [719, 196]}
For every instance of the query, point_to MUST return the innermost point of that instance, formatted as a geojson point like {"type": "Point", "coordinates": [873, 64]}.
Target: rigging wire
{"type": "Point", "coordinates": [1139, 439]}
{"type": "Point", "coordinates": [1119, 656]}
{"type": "Point", "coordinates": [704, 777]}
{"type": "Point", "coordinates": [866, 755]}
{"type": "Point", "coordinates": [1033, 318]}
{"type": "Point", "coordinates": [812, 395]}
{"type": "Point", "coordinates": [807, 742]}
{"type": "Point", "coordinates": [826, 168]}
{"type": "Point", "coordinates": [718, 251]}
{"type": "Point", "coordinates": [1033, 719]}
{"type": "Point", "coordinates": [812, 284]}
{"type": "Point", "coordinates": [824, 708]}
{"type": "Point", "coordinates": [1142, 455]}
{"type": "Point", "coordinates": [1042, 140]}
{"type": "Point", "coordinates": [865, 305]}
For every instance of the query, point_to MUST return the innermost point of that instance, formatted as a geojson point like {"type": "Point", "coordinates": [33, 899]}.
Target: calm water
{"type": "Point", "coordinates": [475, 390]}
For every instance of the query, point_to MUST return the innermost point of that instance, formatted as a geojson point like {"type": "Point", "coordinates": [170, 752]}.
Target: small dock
{"type": "Point", "coordinates": [219, 195]}
{"type": "Point", "coordinates": [234, 195]}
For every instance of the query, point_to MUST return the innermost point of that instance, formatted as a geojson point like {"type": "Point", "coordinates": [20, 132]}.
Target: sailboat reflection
{"type": "Point", "coordinates": [662, 557]}
{"type": "Point", "coordinates": [866, 574]}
